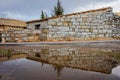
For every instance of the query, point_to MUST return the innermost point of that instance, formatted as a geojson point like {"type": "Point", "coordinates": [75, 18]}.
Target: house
{"type": "Point", "coordinates": [99, 23]}
{"type": "Point", "coordinates": [10, 25]}
{"type": "Point", "coordinates": [88, 25]}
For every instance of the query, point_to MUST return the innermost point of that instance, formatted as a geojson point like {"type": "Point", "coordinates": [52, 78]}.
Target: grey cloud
{"type": "Point", "coordinates": [2, 15]}
{"type": "Point", "coordinates": [30, 9]}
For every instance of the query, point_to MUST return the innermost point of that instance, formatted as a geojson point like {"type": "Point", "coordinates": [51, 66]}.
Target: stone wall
{"type": "Point", "coordinates": [22, 36]}
{"type": "Point", "coordinates": [85, 25]}
{"type": "Point", "coordinates": [31, 26]}
{"type": "Point", "coordinates": [116, 29]}
{"type": "Point", "coordinates": [88, 25]}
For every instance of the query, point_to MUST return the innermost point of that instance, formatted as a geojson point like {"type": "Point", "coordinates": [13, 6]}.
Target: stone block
{"type": "Point", "coordinates": [73, 19]}
{"type": "Point", "coordinates": [65, 23]}
{"type": "Point", "coordinates": [75, 23]}
{"type": "Point", "coordinates": [63, 29]}
{"type": "Point", "coordinates": [52, 23]}
{"type": "Point", "coordinates": [59, 23]}
{"type": "Point", "coordinates": [45, 51]}
{"type": "Point", "coordinates": [45, 30]}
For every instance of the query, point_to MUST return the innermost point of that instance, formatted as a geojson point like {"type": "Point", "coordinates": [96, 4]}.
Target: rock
{"type": "Point", "coordinates": [19, 41]}
{"type": "Point", "coordinates": [3, 40]}
{"type": "Point", "coordinates": [36, 39]}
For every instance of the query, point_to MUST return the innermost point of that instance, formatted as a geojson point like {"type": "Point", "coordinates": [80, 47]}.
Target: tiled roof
{"type": "Point", "coordinates": [96, 10]}
{"type": "Point", "coordinates": [11, 22]}
{"type": "Point", "coordinates": [118, 13]}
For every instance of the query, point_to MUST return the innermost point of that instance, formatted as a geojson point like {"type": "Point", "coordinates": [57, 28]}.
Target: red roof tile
{"type": "Point", "coordinates": [11, 22]}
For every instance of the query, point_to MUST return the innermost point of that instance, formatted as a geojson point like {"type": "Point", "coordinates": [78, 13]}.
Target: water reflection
{"type": "Point", "coordinates": [116, 71]}
{"type": "Point", "coordinates": [90, 59]}
{"type": "Point", "coordinates": [24, 69]}
{"type": "Point", "coordinates": [62, 62]}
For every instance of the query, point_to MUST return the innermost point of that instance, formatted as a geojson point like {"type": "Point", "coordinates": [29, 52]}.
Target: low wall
{"type": "Point", "coordinates": [22, 36]}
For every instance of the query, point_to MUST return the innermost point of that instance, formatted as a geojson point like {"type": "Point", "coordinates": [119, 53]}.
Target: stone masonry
{"type": "Point", "coordinates": [89, 25]}
{"type": "Point", "coordinates": [100, 23]}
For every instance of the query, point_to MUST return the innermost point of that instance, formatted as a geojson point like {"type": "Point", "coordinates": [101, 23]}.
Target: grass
{"type": "Point", "coordinates": [112, 54]}
{"type": "Point", "coordinates": [5, 53]}
{"type": "Point", "coordinates": [115, 55]}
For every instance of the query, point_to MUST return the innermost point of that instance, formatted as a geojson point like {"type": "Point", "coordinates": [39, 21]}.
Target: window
{"type": "Point", "coordinates": [37, 26]}
{"type": "Point", "coordinates": [25, 27]}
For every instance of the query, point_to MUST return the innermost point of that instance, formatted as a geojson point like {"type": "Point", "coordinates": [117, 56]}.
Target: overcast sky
{"type": "Point", "coordinates": [31, 9]}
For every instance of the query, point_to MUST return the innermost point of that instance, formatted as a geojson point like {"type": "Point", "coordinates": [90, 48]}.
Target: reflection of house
{"type": "Point", "coordinates": [58, 69]}
{"type": "Point", "coordinates": [10, 25]}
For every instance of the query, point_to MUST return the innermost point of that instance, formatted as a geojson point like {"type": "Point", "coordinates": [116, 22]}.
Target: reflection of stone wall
{"type": "Point", "coordinates": [81, 58]}
{"type": "Point", "coordinates": [94, 56]}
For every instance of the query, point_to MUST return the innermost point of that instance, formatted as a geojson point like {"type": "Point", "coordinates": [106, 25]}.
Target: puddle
{"type": "Point", "coordinates": [63, 62]}
{"type": "Point", "coordinates": [25, 69]}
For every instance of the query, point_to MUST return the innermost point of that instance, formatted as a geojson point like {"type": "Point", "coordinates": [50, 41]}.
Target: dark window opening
{"type": "Point", "coordinates": [37, 54]}
{"type": "Point", "coordinates": [25, 27]}
{"type": "Point", "coordinates": [37, 26]}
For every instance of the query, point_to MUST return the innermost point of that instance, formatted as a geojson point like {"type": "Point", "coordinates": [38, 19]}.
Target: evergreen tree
{"type": "Point", "coordinates": [58, 9]}
{"type": "Point", "coordinates": [46, 16]}
{"type": "Point", "coordinates": [42, 15]}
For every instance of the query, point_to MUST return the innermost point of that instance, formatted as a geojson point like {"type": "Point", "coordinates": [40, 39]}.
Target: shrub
{"type": "Point", "coordinates": [5, 53]}
{"type": "Point", "coordinates": [9, 53]}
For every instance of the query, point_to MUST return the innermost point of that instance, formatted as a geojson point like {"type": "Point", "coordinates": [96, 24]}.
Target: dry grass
{"type": "Point", "coordinates": [118, 37]}
{"type": "Point", "coordinates": [86, 39]}
{"type": "Point", "coordinates": [13, 57]}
